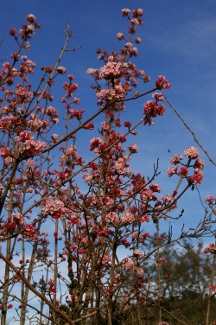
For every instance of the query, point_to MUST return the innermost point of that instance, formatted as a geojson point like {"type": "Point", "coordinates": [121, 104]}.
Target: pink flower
{"type": "Point", "coordinates": [135, 21]}
{"type": "Point", "coordinates": [127, 124]}
{"type": "Point", "coordinates": [89, 126]}
{"type": "Point", "coordinates": [91, 71]}
{"type": "Point", "coordinates": [161, 260]}
{"type": "Point", "coordinates": [144, 218]}
{"type": "Point", "coordinates": [95, 144]}
{"type": "Point", "coordinates": [210, 199]}
{"type": "Point", "coordinates": [112, 217]}
{"type": "Point", "coordinates": [29, 230]}
{"type": "Point", "coordinates": [197, 177]}
{"type": "Point", "coordinates": [125, 12]}
{"type": "Point", "coordinates": [155, 188]}
{"type": "Point", "coordinates": [111, 70]}
{"type": "Point", "coordinates": [192, 153]}
{"type": "Point", "coordinates": [172, 170]}
{"type": "Point", "coordinates": [139, 271]}
{"type": "Point", "coordinates": [199, 163]}
{"type": "Point", "coordinates": [212, 287]}
{"type": "Point", "coordinates": [147, 194]}
{"type": "Point", "coordinates": [176, 159]}
{"type": "Point", "coordinates": [138, 254]}
{"type": "Point", "coordinates": [158, 96]}
{"type": "Point", "coordinates": [127, 217]}
{"type": "Point", "coordinates": [162, 83]}
{"type": "Point", "coordinates": [128, 264]}
{"type": "Point", "coordinates": [183, 171]}
{"type": "Point", "coordinates": [137, 12]}
{"type": "Point", "coordinates": [54, 137]}
{"type": "Point", "coordinates": [133, 148]}
{"type": "Point", "coordinates": [104, 259]}
{"type": "Point", "coordinates": [138, 40]}
{"type": "Point", "coordinates": [31, 18]}
{"type": "Point", "coordinates": [12, 31]}
{"type": "Point", "coordinates": [211, 248]}
{"type": "Point", "coordinates": [61, 70]}
{"type": "Point", "coordinates": [120, 36]}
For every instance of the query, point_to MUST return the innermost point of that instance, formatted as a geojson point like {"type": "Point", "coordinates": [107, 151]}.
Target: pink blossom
{"type": "Point", "coordinates": [111, 70]}
{"type": "Point", "coordinates": [112, 217]}
{"type": "Point", "coordinates": [158, 96]}
{"type": "Point", "coordinates": [147, 194]}
{"type": "Point", "coordinates": [210, 199]}
{"type": "Point", "coordinates": [212, 287]}
{"type": "Point", "coordinates": [192, 153]}
{"type": "Point", "coordinates": [89, 126]}
{"type": "Point", "coordinates": [143, 237]}
{"type": "Point", "coordinates": [127, 124]}
{"type": "Point", "coordinates": [162, 83]}
{"type": "Point", "coordinates": [128, 45]}
{"type": "Point", "coordinates": [120, 36]}
{"type": "Point", "coordinates": [44, 233]}
{"type": "Point", "coordinates": [61, 70]}
{"type": "Point", "coordinates": [199, 163]}
{"type": "Point", "coordinates": [95, 144]}
{"type": "Point", "coordinates": [161, 260]}
{"type": "Point", "coordinates": [8, 160]}
{"type": "Point", "coordinates": [138, 40]}
{"type": "Point", "coordinates": [125, 12]}
{"type": "Point", "coordinates": [12, 31]}
{"type": "Point", "coordinates": [120, 165]}
{"type": "Point", "coordinates": [211, 248]}
{"type": "Point", "coordinates": [176, 159]}
{"type": "Point", "coordinates": [134, 234]}
{"type": "Point", "coordinates": [127, 217]}
{"type": "Point", "coordinates": [54, 137]}
{"type": "Point", "coordinates": [133, 148]}
{"type": "Point", "coordinates": [30, 230]}
{"type": "Point", "coordinates": [18, 218]}
{"type": "Point", "coordinates": [135, 21]}
{"type": "Point", "coordinates": [137, 12]}
{"type": "Point", "coordinates": [105, 126]}
{"type": "Point", "coordinates": [31, 18]}
{"type": "Point", "coordinates": [144, 218]}
{"type": "Point", "coordinates": [138, 254]}
{"type": "Point", "coordinates": [138, 271]}
{"type": "Point", "coordinates": [172, 171]}
{"type": "Point", "coordinates": [128, 264]}
{"type": "Point", "coordinates": [88, 177]}
{"type": "Point", "coordinates": [183, 171]}
{"type": "Point", "coordinates": [91, 71]}
{"type": "Point", "coordinates": [104, 259]}
{"type": "Point", "coordinates": [197, 177]}
{"type": "Point", "coordinates": [155, 188]}
{"type": "Point", "coordinates": [169, 198]}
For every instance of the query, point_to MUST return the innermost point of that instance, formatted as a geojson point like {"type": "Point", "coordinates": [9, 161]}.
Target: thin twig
{"type": "Point", "coordinates": [189, 129]}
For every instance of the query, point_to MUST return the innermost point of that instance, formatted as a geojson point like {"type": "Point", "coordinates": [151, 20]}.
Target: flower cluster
{"type": "Point", "coordinates": [192, 154]}
{"type": "Point", "coordinates": [162, 83]}
{"type": "Point", "coordinates": [28, 145]}
{"type": "Point", "coordinates": [128, 263]}
{"type": "Point", "coordinates": [211, 248]}
{"type": "Point", "coordinates": [151, 110]}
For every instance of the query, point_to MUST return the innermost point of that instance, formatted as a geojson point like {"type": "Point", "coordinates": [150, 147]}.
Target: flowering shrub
{"type": "Point", "coordinates": [52, 222]}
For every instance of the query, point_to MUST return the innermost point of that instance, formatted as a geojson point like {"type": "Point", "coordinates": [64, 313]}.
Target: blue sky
{"type": "Point", "coordinates": [178, 41]}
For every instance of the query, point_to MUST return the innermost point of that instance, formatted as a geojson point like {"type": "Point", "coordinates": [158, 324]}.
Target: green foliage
{"type": "Point", "coordinates": [184, 285]}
